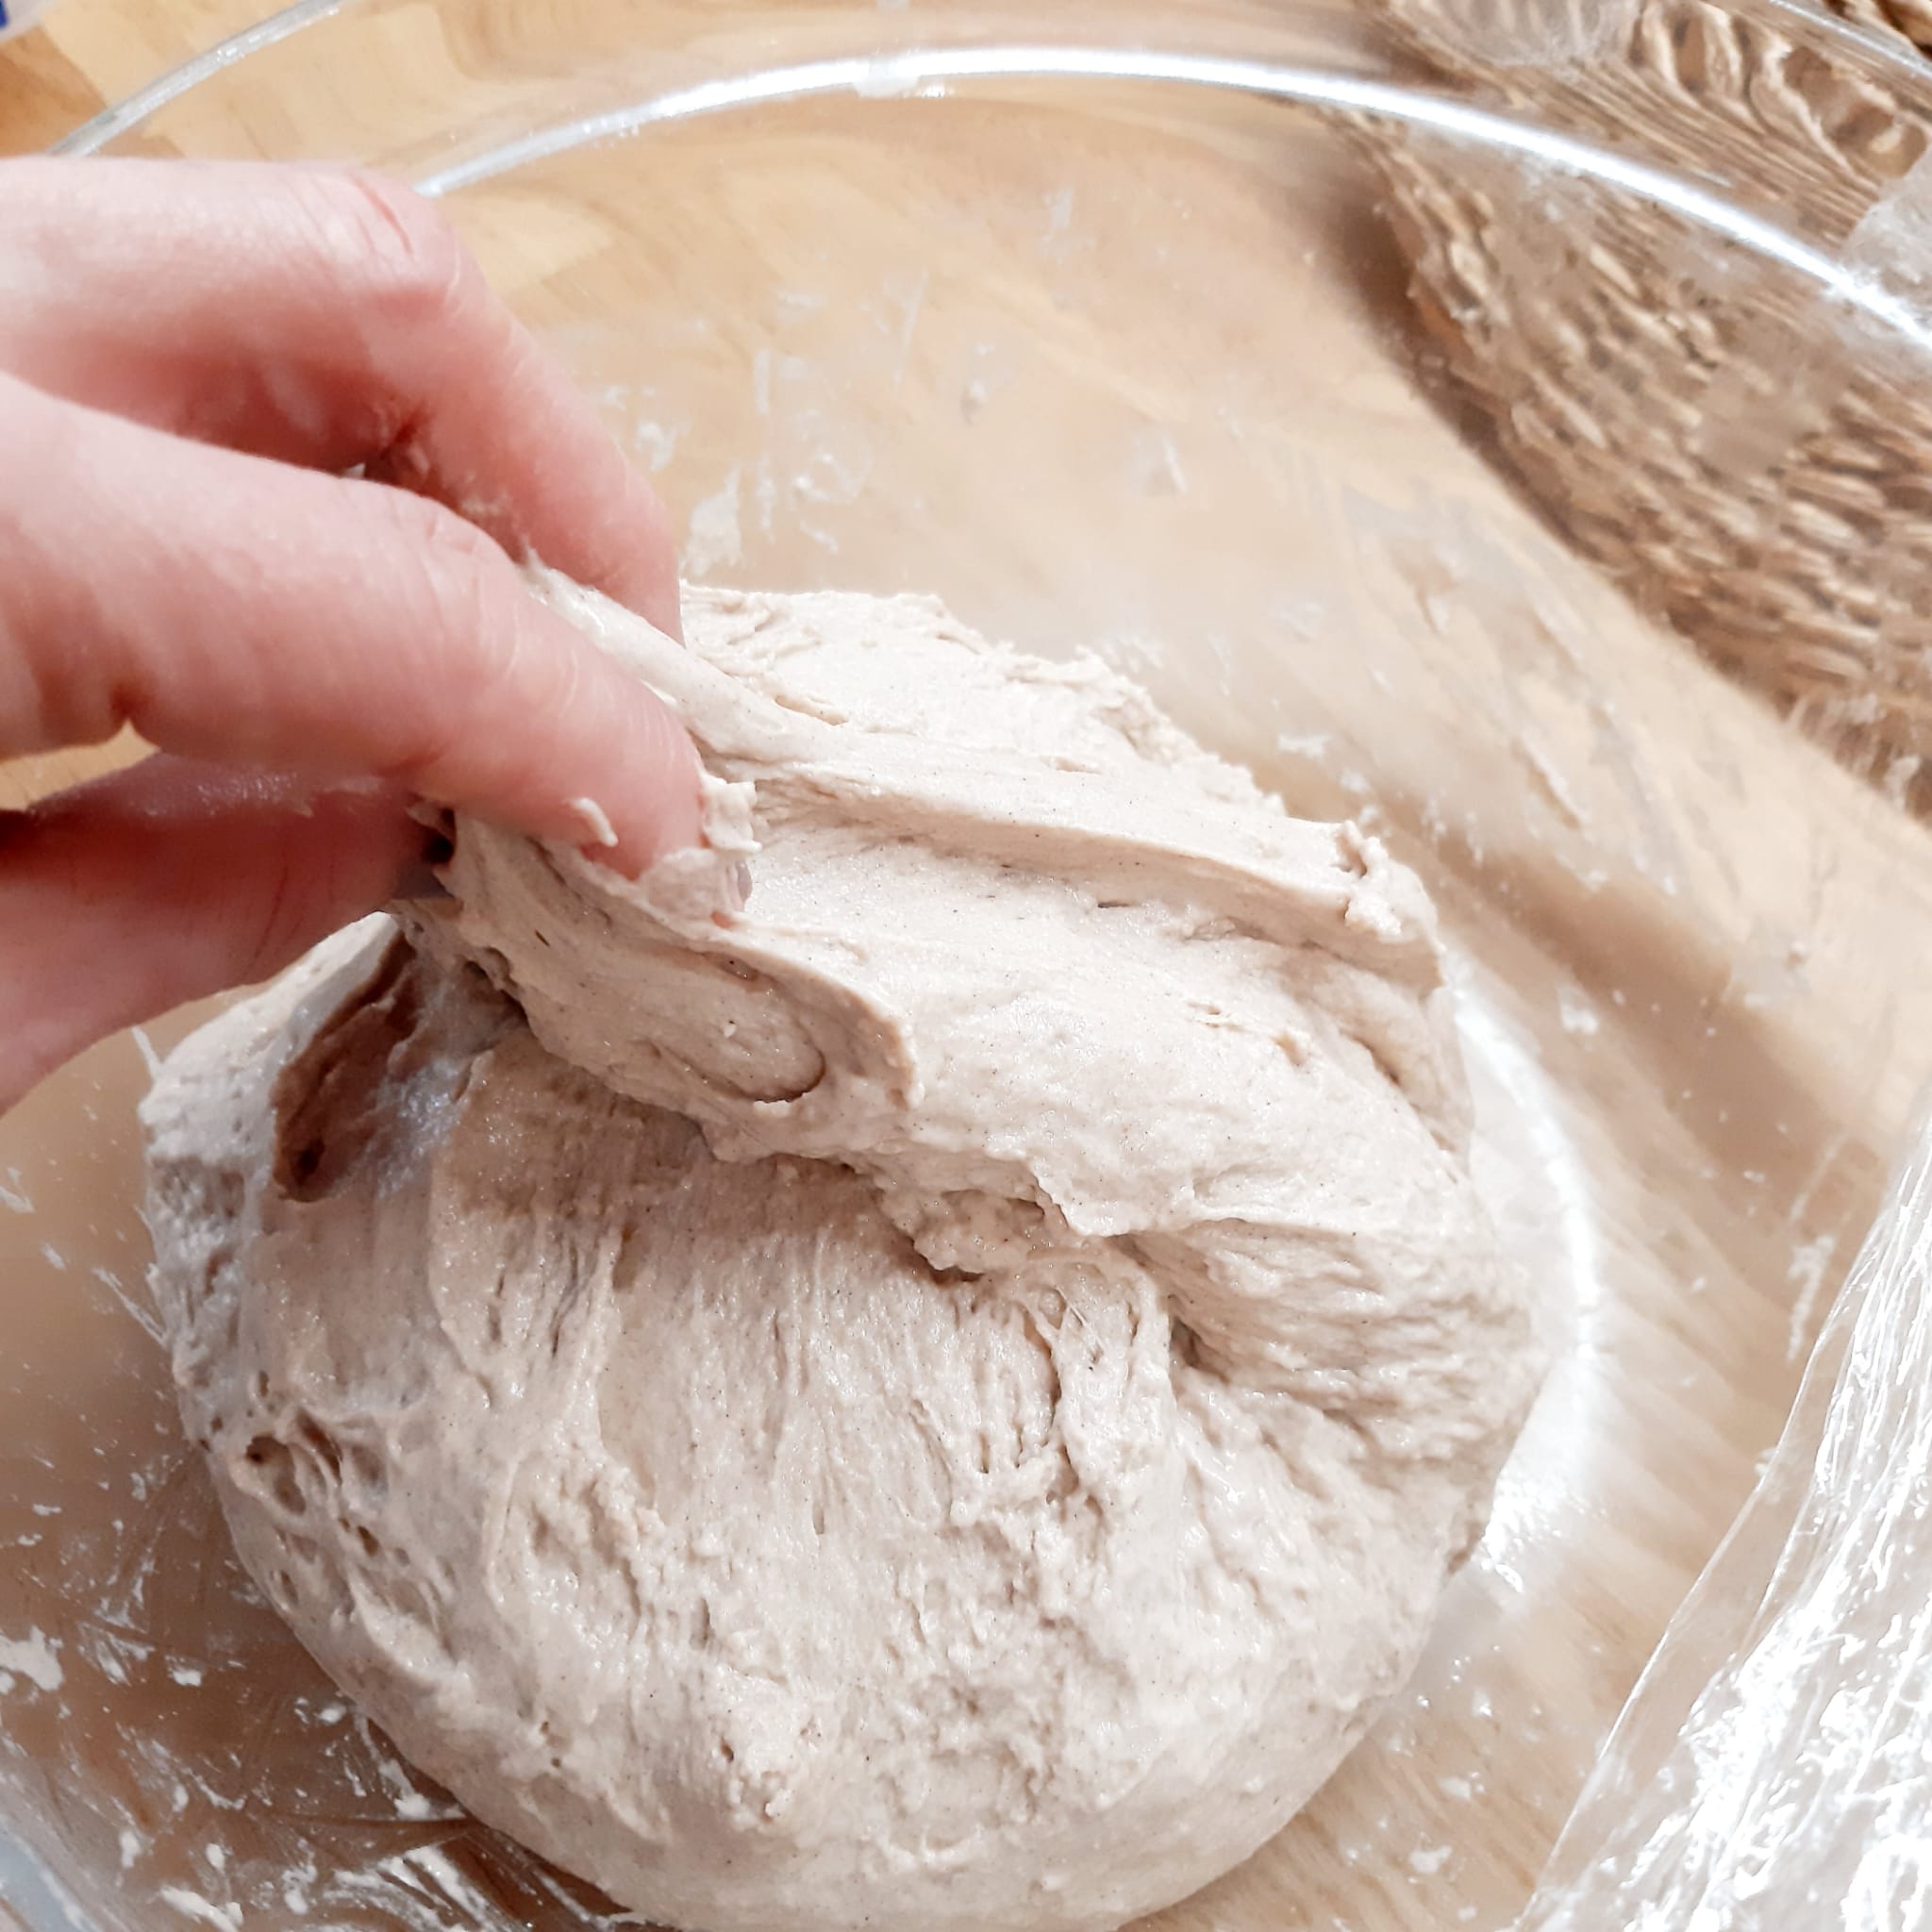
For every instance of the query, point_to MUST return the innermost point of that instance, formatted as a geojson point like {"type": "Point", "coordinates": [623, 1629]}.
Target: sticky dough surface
{"type": "Point", "coordinates": [947, 1397]}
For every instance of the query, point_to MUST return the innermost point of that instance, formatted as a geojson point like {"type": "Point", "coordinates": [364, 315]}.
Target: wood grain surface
{"type": "Point", "coordinates": [85, 54]}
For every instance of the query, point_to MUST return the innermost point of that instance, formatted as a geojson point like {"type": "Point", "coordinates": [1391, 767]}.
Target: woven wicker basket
{"type": "Point", "coordinates": [1750, 458]}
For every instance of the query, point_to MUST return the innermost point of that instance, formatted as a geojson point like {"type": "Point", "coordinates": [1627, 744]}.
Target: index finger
{"type": "Point", "coordinates": [325, 318]}
{"type": "Point", "coordinates": [255, 614]}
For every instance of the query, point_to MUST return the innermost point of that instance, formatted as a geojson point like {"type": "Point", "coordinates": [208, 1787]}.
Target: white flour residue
{"type": "Point", "coordinates": [32, 1656]}
{"type": "Point", "coordinates": [640, 405]}
{"type": "Point", "coordinates": [1899, 774]}
{"type": "Point", "coordinates": [905, 296]}
{"type": "Point", "coordinates": [134, 1307]}
{"type": "Point", "coordinates": [415, 1804]}
{"type": "Point", "coordinates": [1059, 223]}
{"type": "Point", "coordinates": [426, 1877]}
{"type": "Point", "coordinates": [1133, 652]}
{"type": "Point", "coordinates": [987, 371]}
{"type": "Point", "coordinates": [1534, 1180]}
{"type": "Point", "coordinates": [1578, 1016]}
{"type": "Point", "coordinates": [654, 442]}
{"type": "Point", "coordinates": [715, 536]}
{"type": "Point", "coordinates": [1310, 744]}
{"type": "Point", "coordinates": [1153, 464]}
{"type": "Point", "coordinates": [149, 1057]}
{"type": "Point", "coordinates": [191, 1904]}
{"type": "Point", "coordinates": [1809, 1264]}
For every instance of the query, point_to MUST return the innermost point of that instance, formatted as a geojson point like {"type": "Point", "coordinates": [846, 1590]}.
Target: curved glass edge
{"type": "Point", "coordinates": [933, 72]}
{"type": "Point", "coordinates": [1774, 1748]}
{"type": "Point", "coordinates": [124, 117]}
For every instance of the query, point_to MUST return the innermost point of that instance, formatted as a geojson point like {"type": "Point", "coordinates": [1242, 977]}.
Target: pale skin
{"type": "Point", "coordinates": [193, 360]}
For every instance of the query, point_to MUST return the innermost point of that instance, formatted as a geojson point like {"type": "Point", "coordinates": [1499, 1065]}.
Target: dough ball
{"type": "Point", "coordinates": [945, 1395]}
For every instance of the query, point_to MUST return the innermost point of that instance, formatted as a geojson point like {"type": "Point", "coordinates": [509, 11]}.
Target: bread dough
{"type": "Point", "coordinates": [944, 1398]}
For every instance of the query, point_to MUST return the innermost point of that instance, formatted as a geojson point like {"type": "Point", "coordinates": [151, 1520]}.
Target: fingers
{"type": "Point", "coordinates": [122, 898]}
{"type": "Point", "coordinates": [321, 318]}
{"type": "Point", "coordinates": [244, 612]}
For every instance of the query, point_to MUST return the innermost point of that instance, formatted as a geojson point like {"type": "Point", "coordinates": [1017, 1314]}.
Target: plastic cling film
{"type": "Point", "coordinates": [1772, 1769]}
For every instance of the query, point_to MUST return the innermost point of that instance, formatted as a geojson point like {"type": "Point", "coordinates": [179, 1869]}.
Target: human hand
{"type": "Point", "coordinates": [191, 358]}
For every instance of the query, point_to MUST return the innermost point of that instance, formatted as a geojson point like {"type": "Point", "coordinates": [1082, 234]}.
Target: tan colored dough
{"type": "Point", "coordinates": [945, 1398]}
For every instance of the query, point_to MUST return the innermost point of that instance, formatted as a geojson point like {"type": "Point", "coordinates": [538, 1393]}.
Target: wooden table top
{"type": "Point", "coordinates": [85, 54]}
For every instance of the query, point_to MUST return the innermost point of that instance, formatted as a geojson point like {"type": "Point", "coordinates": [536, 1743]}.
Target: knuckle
{"type": "Point", "coordinates": [399, 251]}
{"type": "Point", "coordinates": [464, 616]}
{"type": "Point", "coordinates": [432, 529]}
{"type": "Point", "coordinates": [469, 605]}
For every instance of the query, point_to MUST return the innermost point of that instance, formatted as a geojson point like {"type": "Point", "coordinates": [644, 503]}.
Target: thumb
{"type": "Point", "coordinates": [160, 884]}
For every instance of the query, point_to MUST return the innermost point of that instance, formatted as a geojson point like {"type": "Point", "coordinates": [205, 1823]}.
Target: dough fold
{"type": "Point", "coordinates": [944, 1396]}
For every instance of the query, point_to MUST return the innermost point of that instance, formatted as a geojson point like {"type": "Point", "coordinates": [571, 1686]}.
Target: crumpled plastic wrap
{"type": "Point", "coordinates": [1772, 1769]}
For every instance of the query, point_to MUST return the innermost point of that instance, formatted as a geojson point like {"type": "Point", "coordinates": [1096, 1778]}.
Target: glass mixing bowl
{"type": "Point", "coordinates": [1499, 420]}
